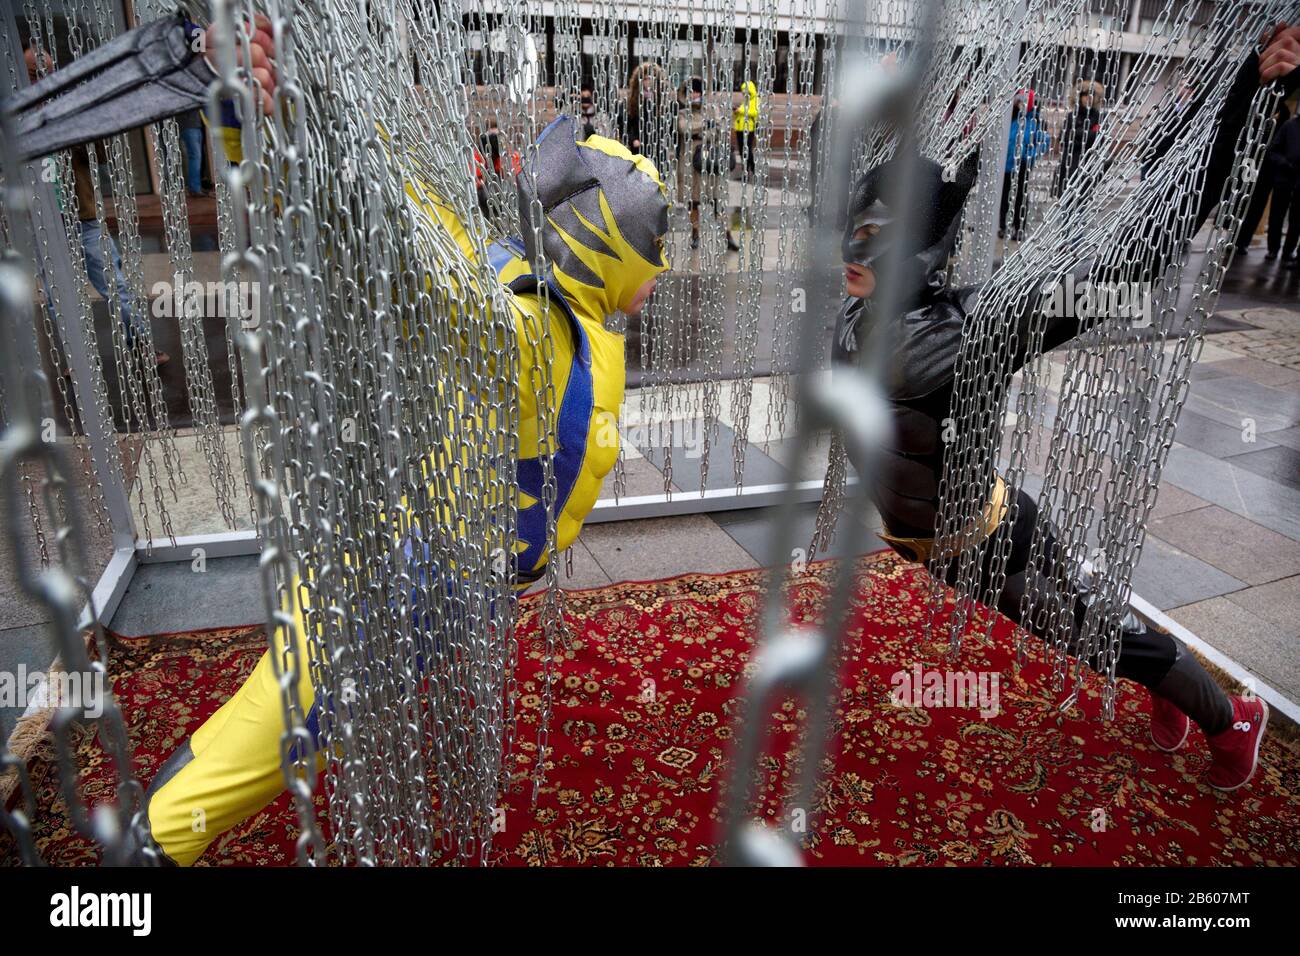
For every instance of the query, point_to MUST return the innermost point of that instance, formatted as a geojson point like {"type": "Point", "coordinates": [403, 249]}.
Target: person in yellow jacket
{"type": "Point", "coordinates": [745, 123]}
{"type": "Point", "coordinates": [605, 214]}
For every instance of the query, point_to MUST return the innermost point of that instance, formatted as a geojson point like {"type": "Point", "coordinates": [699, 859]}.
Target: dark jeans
{"type": "Point", "coordinates": [104, 270]}
{"type": "Point", "coordinates": [1146, 655]}
{"type": "Point", "coordinates": [1284, 210]}
{"type": "Point", "coordinates": [747, 146]}
{"type": "Point", "coordinates": [192, 147]}
{"type": "Point", "coordinates": [1022, 197]}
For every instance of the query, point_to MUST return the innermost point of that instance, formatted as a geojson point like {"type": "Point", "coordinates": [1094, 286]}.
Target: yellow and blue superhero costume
{"type": "Point", "coordinates": [745, 116]}
{"type": "Point", "coordinates": [605, 215]}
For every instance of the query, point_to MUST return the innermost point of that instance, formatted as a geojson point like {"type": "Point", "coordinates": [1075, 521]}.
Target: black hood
{"type": "Point", "coordinates": [931, 217]}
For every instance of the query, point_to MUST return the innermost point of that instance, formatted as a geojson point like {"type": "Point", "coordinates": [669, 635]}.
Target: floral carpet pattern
{"type": "Point", "coordinates": [646, 711]}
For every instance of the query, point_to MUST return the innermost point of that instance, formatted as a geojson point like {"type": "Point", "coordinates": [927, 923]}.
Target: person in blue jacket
{"type": "Point", "coordinates": [1028, 140]}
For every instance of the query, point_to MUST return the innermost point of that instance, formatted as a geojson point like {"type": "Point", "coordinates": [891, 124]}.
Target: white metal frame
{"type": "Point", "coordinates": [127, 558]}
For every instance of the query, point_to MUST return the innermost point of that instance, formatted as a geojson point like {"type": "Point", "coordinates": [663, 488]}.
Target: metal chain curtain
{"type": "Point", "coordinates": [350, 434]}
{"type": "Point", "coordinates": [1124, 382]}
{"type": "Point", "coordinates": [376, 382]}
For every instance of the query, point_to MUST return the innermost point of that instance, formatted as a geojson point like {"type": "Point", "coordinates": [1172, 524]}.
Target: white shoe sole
{"type": "Point", "coordinates": [1259, 742]}
{"type": "Point", "coordinates": [1187, 731]}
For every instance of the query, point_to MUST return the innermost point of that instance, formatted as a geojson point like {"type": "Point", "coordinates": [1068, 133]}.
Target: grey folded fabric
{"type": "Point", "coordinates": [140, 77]}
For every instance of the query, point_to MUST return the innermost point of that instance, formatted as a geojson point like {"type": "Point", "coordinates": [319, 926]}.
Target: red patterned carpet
{"type": "Point", "coordinates": [632, 783]}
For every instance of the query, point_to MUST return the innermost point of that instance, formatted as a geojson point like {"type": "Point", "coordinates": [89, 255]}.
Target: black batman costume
{"type": "Point", "coordinates": [925, 343]}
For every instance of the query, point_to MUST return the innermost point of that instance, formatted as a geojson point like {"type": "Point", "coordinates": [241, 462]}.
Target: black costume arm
{"type": "Point", "coordinates": [1232, 118]}
{"type": "Point", "coordinates": [140, 77]}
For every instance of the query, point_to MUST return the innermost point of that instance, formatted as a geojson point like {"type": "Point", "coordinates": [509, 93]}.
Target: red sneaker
{"type": "Point", "coordinates": [1169, 725]}
{"type": "Point", "coordinates": [1236, 750]}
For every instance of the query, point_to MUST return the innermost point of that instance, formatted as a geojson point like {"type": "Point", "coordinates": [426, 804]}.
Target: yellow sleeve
{"type": "Point", "coordinates": [231, 141]}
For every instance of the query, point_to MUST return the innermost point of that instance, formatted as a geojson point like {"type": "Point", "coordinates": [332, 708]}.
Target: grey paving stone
{"type": "Point", "coordinates": [1277, 602]}
{"type": "Point", "coordinates": [1172, 500]}
{"type": "Point", "coordinates": [587, 573]}
{"type": "Point", "coordinates": [1257, 370]}
{"type": "Point", "coordinates": [1206, 370]}
{"type": "Point", "coordinates": [664, 547]}
{"type": "Point", "coordinates": [640, 477]}
{"type": "Point", "coordinates": [1250, 640]}
{"type": "Point", "coordinates": [1273, 505]}
{"type": "Point", "coordinates": [1279, 463]}
{"type": "Point", "coordinates": [1215, 438]}
{"type": "Point", "coordinates": [1222, 322]}
{"type": "Point", "coordinates": [166, 598]}
{"type": "Point", "coordinates": [811, 466]}
{"type": "Point", "coordinates": [17, 609]}
{"type": "Point", "coordinates": [1290, 437]}
{"type": "Point", "coordinates": [688, 443]}
{"type": "Point", "coordinates": [26, 647]}
{"type": "Point", "coordinates": [1168, 576]}
{"type": "Point", "coordinates": [1032, 484]}
{"type": "Point", "coordinates": [194, 510]}
{"type": "Point", "coordinates": [752, 530]}
{"type": "Point", "coordinates": [1282, 317]}
{"type": "Point", "coordinates": [1231, 543]}
{"type": "Point", "coordinates": [1230, 399]}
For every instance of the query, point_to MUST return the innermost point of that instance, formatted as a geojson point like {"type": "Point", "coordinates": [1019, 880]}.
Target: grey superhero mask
{"type": "Point", "coordinates": [569, 180]}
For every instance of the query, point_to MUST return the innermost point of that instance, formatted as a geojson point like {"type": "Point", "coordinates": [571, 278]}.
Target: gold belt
{"type": "Point", "coordinates": [920, 549]}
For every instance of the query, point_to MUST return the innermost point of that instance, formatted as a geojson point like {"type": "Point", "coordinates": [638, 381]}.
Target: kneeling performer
{"type": "Point", "coordinates": [926, 340]}
{"type": "Point", "coordinates": [605, 217]}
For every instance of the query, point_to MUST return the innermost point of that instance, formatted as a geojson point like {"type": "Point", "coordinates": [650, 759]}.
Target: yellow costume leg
{"type": "Point", "coordinates": [228, 770]}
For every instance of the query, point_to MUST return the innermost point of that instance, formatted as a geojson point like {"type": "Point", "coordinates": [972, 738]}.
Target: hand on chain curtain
{"type": "Point", "coordinates": [1281, 53]}
{"type": "Point", "coordinates": [261, 45]}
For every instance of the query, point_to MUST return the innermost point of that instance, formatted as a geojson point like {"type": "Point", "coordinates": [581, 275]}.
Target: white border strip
{"type": "Point", "coordinates": [1275, 698]}
{"type": "Point", "coordinates": [109, 589]}
{"type": "Point", "coordinates": [711, 501]}
{"type": "Point", "coordinates": [226, 544]}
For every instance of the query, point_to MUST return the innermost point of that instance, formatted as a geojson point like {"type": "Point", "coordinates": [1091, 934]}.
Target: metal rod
{"type": "Point", "coordinates": [59, 274]}
{"type": "Point", "coordinates": [711, 501]}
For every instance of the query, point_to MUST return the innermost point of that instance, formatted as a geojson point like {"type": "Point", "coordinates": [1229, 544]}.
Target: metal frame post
{"type": "Point", "coordinates": [56, 265]}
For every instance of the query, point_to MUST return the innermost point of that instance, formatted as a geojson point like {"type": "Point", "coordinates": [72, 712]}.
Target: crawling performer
{"type": "Point", "coordinates": [926, 340]}
{"type": "Point", "coordinates": [606, 213]}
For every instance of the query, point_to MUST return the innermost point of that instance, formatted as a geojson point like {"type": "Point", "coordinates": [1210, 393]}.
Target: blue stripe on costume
{"type": "Point", "coordinates": [573, 425]}
{"type": "Point", "coordinates": [504, 251]}
{"type": "Point", "coordinates": [572, 430]}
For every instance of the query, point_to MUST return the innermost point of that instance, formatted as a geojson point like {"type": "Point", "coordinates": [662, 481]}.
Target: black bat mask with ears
{"type": "Point", "coordinates": [927, 223]}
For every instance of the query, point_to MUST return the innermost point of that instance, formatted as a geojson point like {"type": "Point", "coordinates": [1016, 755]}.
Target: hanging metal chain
{"type": "Point", "coordinates": [1124, 381]}
{"type": "Point", "coordinates": [62, 587]}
